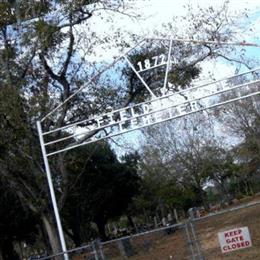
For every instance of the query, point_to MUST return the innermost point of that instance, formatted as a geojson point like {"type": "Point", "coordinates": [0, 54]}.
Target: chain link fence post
{"type": "Point", "coordinates": [94, 248]}
{"type": "Point", "coordinates": [196, 240]}
{"type": "Point", "coordinates": [100, 250]}
{"type": "Point", "coordinates": [190, 244]}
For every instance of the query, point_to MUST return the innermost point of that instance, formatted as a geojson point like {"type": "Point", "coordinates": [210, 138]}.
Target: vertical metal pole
{"type": "Point", "coordinates": [196, 241]}
{"type": "Point", "coordinates": [167, 68]}
{"type": "Point", "coordinates": [100, 250]}
{"type": "Point", "coordinates": [94, 250]}
{"type": "Point", "coordinates": [190, 244]}
{"type": "Point", "coordinates": [53, 197]}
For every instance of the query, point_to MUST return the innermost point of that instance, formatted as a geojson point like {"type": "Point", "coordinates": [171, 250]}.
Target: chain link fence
{"type": "Point", "coordinates": [164, 243]}
{"type": "Point", "coordinates": [171, 242]}
{"type": "Point", "coordinates": [197, 239]}
{"type": "Point", "coordinates": [230, 222]}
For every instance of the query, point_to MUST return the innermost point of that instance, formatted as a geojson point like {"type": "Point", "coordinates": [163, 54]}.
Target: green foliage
{"type": "Point", "coordinates": [7, 16]}
{"type": "Point", "coordinates": [18, 11]}
{"type": "Point", "coordinates": [175, 196]}
{"type": "Point", "coordinates": [31, 84]}
{"type": "Point", "coordinates": [76, 4]}
{"type": "Point", "coordinates": [49, 35]}
{"type": "Point", "coordinates": [103, 189]}
{"type": "Point", "coordinates": [13, 125]}
{"type": "Point", "coordinates": [158, 193]}
{"type": "Point", "coordinates": [182, 74]}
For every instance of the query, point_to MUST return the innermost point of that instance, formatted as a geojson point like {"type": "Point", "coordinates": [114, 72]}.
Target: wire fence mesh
{"type": "Point", "coordinates": [230, 223]}
{"type": "Point", "coordinates": [171, 242]}
{"type": "Point", "coordinates": [197, 239]}
{"type": "Point", "coordinates": [164, 243]}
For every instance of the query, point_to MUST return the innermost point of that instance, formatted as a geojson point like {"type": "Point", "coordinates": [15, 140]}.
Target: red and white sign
{"type": "Point", "coordinates": [234, 239]}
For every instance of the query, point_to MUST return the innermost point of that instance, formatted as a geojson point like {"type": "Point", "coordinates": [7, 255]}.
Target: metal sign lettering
{"type": "Point", "coordinates": [164, 108]}
{"type": "Point", "coordinates": [155, 62]}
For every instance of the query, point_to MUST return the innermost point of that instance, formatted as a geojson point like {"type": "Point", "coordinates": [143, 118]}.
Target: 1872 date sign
{"type": "Point", "coordinates": [164, 101]}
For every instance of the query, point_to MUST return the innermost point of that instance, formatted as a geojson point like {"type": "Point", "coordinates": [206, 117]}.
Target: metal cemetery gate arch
{"type": "Point", "coordinates": [166, 102]}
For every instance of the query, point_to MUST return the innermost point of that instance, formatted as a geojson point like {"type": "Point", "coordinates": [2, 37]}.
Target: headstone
{"type": "Point", "coordinates": [191, 213]}
{"type": "Point", "coordinates": [155, 222]}
{"type": "Point", "coordinates": [176, 215]}
{"type": "Point", "coordinates": [164, 223]}
{"type": "Point", "coordinates": [169, 217]}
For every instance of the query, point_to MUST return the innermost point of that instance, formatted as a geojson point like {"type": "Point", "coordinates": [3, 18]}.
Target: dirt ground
{"type": "Point", "coordinates": [163, 246]}
{"type": "Point", "coordinates": [173, 246]}
{"type": "Point", "coordinates": [157, 246]}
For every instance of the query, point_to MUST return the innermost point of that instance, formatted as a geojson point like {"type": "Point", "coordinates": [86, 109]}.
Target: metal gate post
{"type": "Point", "coordinates": [100, 250]}
{"type": "Point", "coordinates": [52, 193]}
{"type": "Point", "coordinates": [189, 241]}
{"type": "Point", "coordinates": [196, 241]}
{"type": "Point", "coordinates": [93, 243]}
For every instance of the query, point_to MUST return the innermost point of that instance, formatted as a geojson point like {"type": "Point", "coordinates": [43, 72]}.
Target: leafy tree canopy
{"type": "Point", "coordinates": [101, 186]}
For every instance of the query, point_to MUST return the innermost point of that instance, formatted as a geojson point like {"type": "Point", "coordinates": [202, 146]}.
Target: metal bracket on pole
{"type": "Point", "coordinates": [52, 193]}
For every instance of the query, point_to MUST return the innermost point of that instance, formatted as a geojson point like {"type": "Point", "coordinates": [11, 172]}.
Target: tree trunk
{"type": "Point", "coordinates": [76, 237]}
{"type": "Point", "coordinates": [162, 209]}
{"type": "Point", "coordinates": [44, 237]}
{"type": "Point", "coordinates": [101, 229]}
{"type": "Point", "coordinates": [203, 198]}
{"type": "Point", "coordinates": [130, 221]}
{"type": "Point", "coordinates": [52, 233]}
{"type": "Point", "coordinates": [224, 190]}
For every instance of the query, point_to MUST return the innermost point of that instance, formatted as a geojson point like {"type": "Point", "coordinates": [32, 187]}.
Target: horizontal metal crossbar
{"type": "Point", "coordinates": [243, 43]}
{"type": "Point", "coordinates": [151, 112]}
{"type": "Point", "coordinates": [153, 123]}
{"type": "Point", "coordinates": [156, 99]}
{"type": "Point", "coordinates": [139, 44]}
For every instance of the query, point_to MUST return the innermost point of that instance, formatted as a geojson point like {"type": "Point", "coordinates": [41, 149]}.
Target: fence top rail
{"type": "Point", "coordinates": [144, 233]}
{"type": "Point", "coordinates": [247, 205]}
{"type": "Point", "coordinates": [111, 241]}
{"type": "Point", "coordinates": [250, 204]}
{"type": "Point", "coordinates": [68, 251]}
